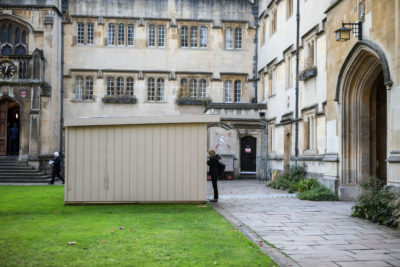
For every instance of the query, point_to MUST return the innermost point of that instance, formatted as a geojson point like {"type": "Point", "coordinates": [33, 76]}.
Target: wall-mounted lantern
{"type": "Point", "coordinates": [343, 34]}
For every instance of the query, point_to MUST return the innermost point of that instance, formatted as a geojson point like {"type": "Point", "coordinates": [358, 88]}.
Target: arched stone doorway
{"type": "Point", "coordinates": [10, 117]}
{"type": "Point", "coordinates": [362, 97]}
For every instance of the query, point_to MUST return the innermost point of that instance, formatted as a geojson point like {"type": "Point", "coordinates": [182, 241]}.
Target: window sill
{"type": "Point", "coordinates": [308, 73]}
{"type": "Point", "coordinates": [119, 100]}
{"type": "Point", "coordinates": [155, 102]}
{"type": "Point", "coordinates": [192, 101]}
{"type": "Point", "coordinates": [83, 101]}
{"type": "Point", "coordinates": [271, 96]}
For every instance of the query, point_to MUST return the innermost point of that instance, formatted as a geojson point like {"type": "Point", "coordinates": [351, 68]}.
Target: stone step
{"type": "Point", "coordinates": [25, 180]}
{"type": "Point", "coordinates": [22, 174]}
{"type": "Point", "coordinates": [16, 168]}
{"type": "Point", "coordinates": [8, 158]}
{"type": "Point", "coordinates": [26, 171]}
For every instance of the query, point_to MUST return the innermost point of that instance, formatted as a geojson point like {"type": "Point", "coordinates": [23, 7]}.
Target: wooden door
{"type": "Point", "coordinates": [3, 127]}
{"type": "Point", "coordinates": [248, 154]}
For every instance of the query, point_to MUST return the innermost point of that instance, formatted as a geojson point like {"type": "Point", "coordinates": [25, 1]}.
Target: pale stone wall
{"type": "Point", "coordinates": [40, 109]}
{"type": "Point", "coordinates": [278, 61]}
{"type": "Point", "coordinates": [380, 28]}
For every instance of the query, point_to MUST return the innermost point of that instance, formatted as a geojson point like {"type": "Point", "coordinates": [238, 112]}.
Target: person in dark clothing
{"type": "Point", "coordinates": [56, 168]}
{"type": "Point", "coordinates": [13, 134]}
{"type": "Point", "coordinates": [213, 163]}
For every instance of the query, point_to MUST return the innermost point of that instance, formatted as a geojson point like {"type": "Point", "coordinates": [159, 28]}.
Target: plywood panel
{"type": "Point", "coordinates": [202, 165]}
{"type": "Point", "coordinates": [156, 158]}
{"type": "Point", "coordinates": [171, 158]}
{"type": "Point", "coordinates": [186, 164]}
{"type": "Point", "coordinates": [79, 178]}
{"type": "Point", "coordinates": [133, 162]}
{"type": "Point", "coordinates": [193, 161]}
{"type": "Point", "coordinates": [118, 163]}
{"type": "Point", "coordinates": [110, 157]}
{"type": "Point", "coordinates": [141, 161]}
{"type": "Point", "coordinates": [148, 164]}
{"type": "Point", "coordinates": [87, 154]}
{"type": "Point", "coordinates": [179, 164]}
{"type": "Point", "coordinates": [125, 163]}
{"type": "Point", "coordinates": [164, 163]}
{"type": "Point", "coordinates": [95, 151]}
{"type": "Point", "coordinates": [103, 185]}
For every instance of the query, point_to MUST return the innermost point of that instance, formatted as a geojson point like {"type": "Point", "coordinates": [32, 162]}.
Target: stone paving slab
{"type": "Point", "coordinates": [311, 233]}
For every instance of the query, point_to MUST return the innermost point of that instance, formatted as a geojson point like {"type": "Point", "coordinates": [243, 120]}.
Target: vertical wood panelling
{"type": "Point", "coordinates": [136, 163]}
{"type": "Point", "coordinates": [125, 163]}
{"type": "Point", "coordinates": [109, 181]}
{"type": "Point", "coordinates": [164, 163]}
{"type": "Point", "coordinates": [102, 163]}
{"type": "Point", "coordinates": [68, 162]}
{"type": "Point", "coordinates": [202, 164]}
{"type": "Point", "coordinates": [141, 162]}
{"type": "Point", "coordinates": [118, 164]}
{"type": "Point", "coordinates": [79, 164]}
{"type": "Point", "coordinates": [156, 157]}
{"type": "Point", "coordinates": [186, 162]}
{"type": "Point", "coordinates": [95, 147]}
{"type": "Point", "coordinates": [171, 157]}
{"type": "Point", "coordinates": [87, 154]}
{"type": "Point", "coordinates": [133, 162]}
{"type": "Point", "coordinates": [178, 163]}
{"type": "Point", "coordinates": [193, 161]}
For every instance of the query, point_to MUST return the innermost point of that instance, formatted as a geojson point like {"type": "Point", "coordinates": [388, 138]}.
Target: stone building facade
{"type": "Point", "coordinates": [30, 81]}
{"type": "Point", "coordinates": [166, 57]}
{"type": "Point", "coordinates": [348, 91]}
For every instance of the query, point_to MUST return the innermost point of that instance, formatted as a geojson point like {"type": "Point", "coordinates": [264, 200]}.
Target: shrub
{"type": "Point", "coordinates": [374, 203]}
{"type": "Point", "coordinates": [306, 184]}
{"type": "Point", "coordinates": [395, 204]}
{"type": "Point", "coordinates": [318, 192]}
{"type": "Point", "coordinates": [289, 179]}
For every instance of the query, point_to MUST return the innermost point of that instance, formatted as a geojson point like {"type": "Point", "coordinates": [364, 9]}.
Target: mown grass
{"type": "Point", "coordinates": [36, 226]}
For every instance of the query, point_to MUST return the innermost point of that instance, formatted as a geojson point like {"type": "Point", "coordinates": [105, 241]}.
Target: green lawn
{"type": "Point", "coordinates": [36, 226]}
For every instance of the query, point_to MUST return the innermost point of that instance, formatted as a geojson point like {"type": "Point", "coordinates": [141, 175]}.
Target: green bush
{"type": "Point", "coordinates": [375, 204]}
{"type": "Point", "coordinates": [289, 179]}
{"type": "Point", "coordinates": [317, 192]}
{"type": "Point", "coordinates": [306, 184]}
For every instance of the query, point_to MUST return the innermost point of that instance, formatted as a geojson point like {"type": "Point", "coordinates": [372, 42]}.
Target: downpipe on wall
{"type": "Point", "coordinates": [296, 140]}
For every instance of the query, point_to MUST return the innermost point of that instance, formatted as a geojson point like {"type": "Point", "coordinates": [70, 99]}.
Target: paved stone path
{"type": "Point", "coordinates": [311, 233]}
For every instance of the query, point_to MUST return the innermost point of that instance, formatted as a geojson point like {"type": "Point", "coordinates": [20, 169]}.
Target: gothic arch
{"type": "Point", "coordinates": [364, 75]}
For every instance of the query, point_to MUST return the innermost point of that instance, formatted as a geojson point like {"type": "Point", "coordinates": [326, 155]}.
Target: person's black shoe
{"type": "Point", "coordinates": [50, 183]}
{"type": "Point", "coordinates": [214, 200]}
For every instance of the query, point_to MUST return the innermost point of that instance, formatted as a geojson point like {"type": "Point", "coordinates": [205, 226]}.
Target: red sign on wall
{"type": "Point", "coordinates": [23, 93]}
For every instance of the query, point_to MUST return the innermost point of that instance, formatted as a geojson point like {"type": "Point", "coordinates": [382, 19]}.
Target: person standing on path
{"type": "Point", "coordinates": [56, 168]}
{"type": "Point", "coordinates": [14, 136]}
{"type": "Point", "coordinates": [213, 162]}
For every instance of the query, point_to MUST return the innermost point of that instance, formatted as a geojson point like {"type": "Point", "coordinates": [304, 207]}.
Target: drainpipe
{"type": "Point", "coordinates": [255, 58]}
{"type": "Point", "coordinates": [296, 140]}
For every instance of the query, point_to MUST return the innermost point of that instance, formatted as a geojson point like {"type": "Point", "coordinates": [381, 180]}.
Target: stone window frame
{"type": "Point", "coordinates": [185, 90]}
{"type": "Point", "coordinates": [157, 24]}
{"type": "Point", "coordinates": [19, 37]}
{"type": "Point", "coordinates": [310, 132]}
{"type": "Point", "coordinates": [289, 74]}
{"type": "Point", "coordinates": [116, 78]}
{"type": "Point", "coordinates": [231, 96]}
{"type": "Point", "coordinates": [289, 9]}
{"type": "Point", "coordinates": [233, 28]}
{"type": "Point", "coordinates": [273, 20]}
{"type": "Point", "coordinates": [271, 137]}
{"type": "Point", "coordinates": [86, 31]}
{"type": "Point", "coordinates": [121, 40]}
{"type": "Point", "coordinates": [310, 51]}
{"type": "Point", "coordinates": [271, 73]}
{"type": "Point", "coordinates": [84, 89]}
{"type": "Point", "coordinates": [80, 33]}
{"type": "Point", "coordinates": [189, 26]}
{"type": "Point", "coordinates": [156, 93]}
{"type": "Point", "coordinates": [126, 23]}
{"type": "Point", "coordinates": [89, 33]}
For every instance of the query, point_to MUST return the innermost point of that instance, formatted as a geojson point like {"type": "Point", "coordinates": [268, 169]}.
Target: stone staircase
{"type": "Point", "coordinates": [14, 171]}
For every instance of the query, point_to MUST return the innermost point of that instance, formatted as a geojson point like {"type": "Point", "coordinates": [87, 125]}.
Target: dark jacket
{"type": "Point", "coordinates": [13, 133]}
{"type": "Point", "coordinates": [213, 163]}
{"type": "Point", "coordinates": [57, 164]}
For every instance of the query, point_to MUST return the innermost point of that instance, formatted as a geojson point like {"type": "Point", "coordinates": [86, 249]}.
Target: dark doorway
{"type": "Point", "coordinates": [10, 116]}
{"type": "Point", "coordinates": [378, 129]}
{"type": "Point", "coordinates": [248, 154]}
